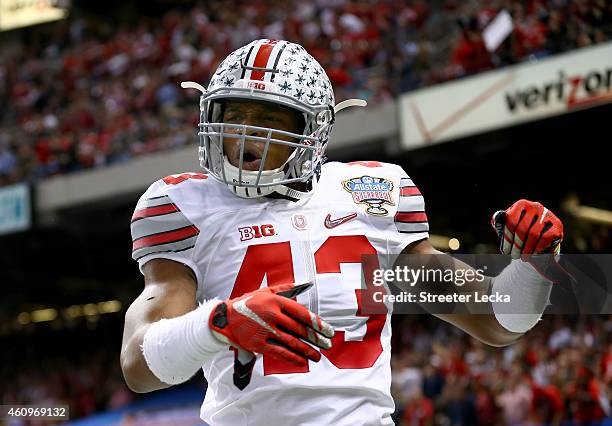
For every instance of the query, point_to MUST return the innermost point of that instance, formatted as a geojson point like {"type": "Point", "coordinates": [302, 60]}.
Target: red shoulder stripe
{"type": "Point", "coordinates": [166, 237]}
{"type": "Point", "coordinates": [409, 190]}
{"type": "Point", "coordinates": [154, 211]}
{"type": "Point", "coordinates": [411, 217]}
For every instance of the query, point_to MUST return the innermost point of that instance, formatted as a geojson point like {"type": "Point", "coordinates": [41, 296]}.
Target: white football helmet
{"type": "Point", "coordinates": [278, 72]}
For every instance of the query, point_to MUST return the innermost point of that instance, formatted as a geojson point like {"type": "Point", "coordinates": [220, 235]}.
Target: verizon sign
{"type": "Point", "coordinates": [506, 97]}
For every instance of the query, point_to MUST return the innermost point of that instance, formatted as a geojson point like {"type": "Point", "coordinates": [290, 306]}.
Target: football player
{"type": "Point", "coordinates": [252, 270]}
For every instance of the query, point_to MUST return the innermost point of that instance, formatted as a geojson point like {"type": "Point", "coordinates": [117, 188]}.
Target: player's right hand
{"type": "Point", "coordinates": [264, 321]}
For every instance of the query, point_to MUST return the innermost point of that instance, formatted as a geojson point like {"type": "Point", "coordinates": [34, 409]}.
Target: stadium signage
{"type": "Point", "coordinates": [572, 91]}
{"type": "Point", "coordinates": [506, 97]}
{"type": "Point", "coordinates": [15, 210]}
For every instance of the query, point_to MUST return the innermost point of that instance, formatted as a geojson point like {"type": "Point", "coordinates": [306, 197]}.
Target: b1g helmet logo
{"type": "Point", "coordinates": [256, 231]}
{"type": "Point", "coordinates": [256, 85]}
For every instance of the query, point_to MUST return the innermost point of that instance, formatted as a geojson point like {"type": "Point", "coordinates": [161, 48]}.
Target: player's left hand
{"type": "Point", "coordinates": [526, 228]}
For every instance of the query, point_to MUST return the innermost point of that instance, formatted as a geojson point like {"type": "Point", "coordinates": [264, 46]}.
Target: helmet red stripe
{"type": "Point", "coordinates": [261, 59]}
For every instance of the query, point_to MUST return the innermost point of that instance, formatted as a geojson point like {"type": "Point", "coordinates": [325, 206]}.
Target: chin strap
{"type": "Point", "coordinates": [300, 195]}
{"type": "Point", "coordinates": [292, 193]}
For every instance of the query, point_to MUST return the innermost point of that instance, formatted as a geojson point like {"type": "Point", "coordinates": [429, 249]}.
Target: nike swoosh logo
{"type": "Point", "coordinates": [241, 307]}
{"type": "Point", "coordinates": [332, 223]}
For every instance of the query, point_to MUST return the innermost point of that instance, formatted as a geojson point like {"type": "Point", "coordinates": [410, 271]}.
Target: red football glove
{"type": "Point", "coordinates": [527, 228]}
{"type": "Point", "coordinates": [268, 321]}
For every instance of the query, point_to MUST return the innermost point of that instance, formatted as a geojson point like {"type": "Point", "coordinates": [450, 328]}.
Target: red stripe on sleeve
{"type": "Point", "coordinates": [409, 190]}
{"type": "Point", "coordinates": [411, 217]}
{"type": "Point", "coordinates": [166, 237]}
{"type": "Point", "coordinates": [154, 211]}
{"type": "Point", "coordinates": [261, 59]}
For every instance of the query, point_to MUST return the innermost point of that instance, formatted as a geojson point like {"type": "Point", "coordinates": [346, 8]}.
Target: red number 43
{"type": "Point", "coordinates": [275, 261]}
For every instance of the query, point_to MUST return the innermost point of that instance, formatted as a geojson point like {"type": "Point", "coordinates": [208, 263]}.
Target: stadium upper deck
{"type": "Point", "coordinates": [88, 92]}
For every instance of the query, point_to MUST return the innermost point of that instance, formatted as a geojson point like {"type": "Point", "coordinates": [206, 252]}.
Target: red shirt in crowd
{"type": "Point", "coordinates": [418, 412]}
{"type": "Point", "coordinates": [472, 54]}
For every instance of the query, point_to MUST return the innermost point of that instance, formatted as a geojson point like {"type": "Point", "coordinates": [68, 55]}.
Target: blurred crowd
{"type": "Point", "coordinates": [90, 383]}
{"type": "Point", "coordinates": [560, 373]}
{"type": "Point", "coordinates": [89, 92]}
{"type": "Point", "coordinates": [77, 367]}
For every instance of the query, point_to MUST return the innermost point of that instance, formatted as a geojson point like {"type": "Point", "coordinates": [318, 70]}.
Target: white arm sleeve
{"type": "Point", "coordinates": [529, 293]}
{"type": "Point", "coordinates": [176, 348]}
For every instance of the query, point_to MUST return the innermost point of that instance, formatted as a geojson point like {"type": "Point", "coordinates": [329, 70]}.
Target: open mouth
{"type": "Point", "coordinates": [248, 157]}
{"type": "Point", "coordinates": [251, 158]}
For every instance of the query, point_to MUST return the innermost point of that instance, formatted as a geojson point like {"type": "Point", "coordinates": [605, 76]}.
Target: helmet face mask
{"type": "Point", "coordinates": [306, 147]}
{"type": "Point", "coordinates": [273, 72]}
{"type": "Point", "coordinates": [248, 144]}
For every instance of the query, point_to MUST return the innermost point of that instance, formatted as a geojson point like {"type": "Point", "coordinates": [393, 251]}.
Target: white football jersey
{"type": "Point", "coordinates": [236, 245]}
